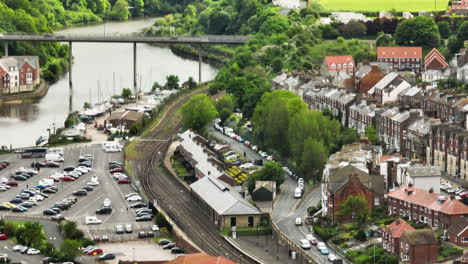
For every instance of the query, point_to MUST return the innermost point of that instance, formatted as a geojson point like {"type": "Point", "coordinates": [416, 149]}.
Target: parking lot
{"type": "Point", "coordinates": [85, 205]}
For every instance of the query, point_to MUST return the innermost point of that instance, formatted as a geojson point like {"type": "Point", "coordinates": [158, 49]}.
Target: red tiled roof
{"type": "Point", "coordinates": [329, 60]}
{"type": "Point", "coordinates": [398, 227]}
{"type": "Point", "coordinates": [427, 199]}
{"type": "Point", "coordinates": [200, 258]}
{"type": "Point", "coordinates": [399, 52]}
{"type": "Point", "coordinates": [384, 158]}
{"type": "Point", "coordinates": [435, 55]}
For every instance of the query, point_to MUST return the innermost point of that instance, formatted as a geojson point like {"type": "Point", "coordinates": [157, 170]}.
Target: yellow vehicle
{"type": "Point", "coordinates": [9, 205]}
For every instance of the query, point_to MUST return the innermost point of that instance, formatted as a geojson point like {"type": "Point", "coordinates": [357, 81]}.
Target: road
{"type": "Point", "coordinates": [170, 194]}
{"type": "Point", "coordinates": [286, 209]}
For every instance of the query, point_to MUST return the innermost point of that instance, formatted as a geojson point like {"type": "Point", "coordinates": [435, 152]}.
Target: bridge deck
{"type": "Point", "coordinates": [205, 39]}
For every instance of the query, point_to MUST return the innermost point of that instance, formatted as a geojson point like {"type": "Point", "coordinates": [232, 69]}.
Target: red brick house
{"type": "Point", "coordinates": [458, 232]}
{"type": "Point", "coordinates": [19, 73]}
{"type": "Point", "coordinates": [418, 247]}
{"type": "Point", "coordinates": [434, 60]}
{"type": "Point", "coordinates": [368, 76]}
{"type": "Point", "coordinates": [340, 192]}
{"type": "Point", "coordinates": [436, 210]}
{"type": "Point", "coordinates": [401, 58]}
{"type": "Point", "coordinates": [391, 235]}
{"type": "Point", "coordinates": [460, 7]}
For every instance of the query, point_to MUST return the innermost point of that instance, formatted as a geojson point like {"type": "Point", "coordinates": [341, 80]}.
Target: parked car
{"type": "Point", "coordinates": [107, 256]}
{"type": "Point", "coordinates": [124, 181]}
{"type": "Point", "coordinates": [48, 260]}
{"type": "Point", "coordinates": [3, 236]}
{"type": "Point", "coordinates": [298, 221]}
{"type": "Point", "coordinates": [305, 244]}
{"type": "Point", "coordinates": [324, 251]}
{"type": "Point", "coordinates": [95, 252]}
{"type": "Point", "coordinates": [116, 170]}
{"type": "Point", "coordinates": [311, 239]}
{"type": "Point", "coordinates": [169, 246]}
{"type": "Point", "coordinates": [105, 210]}
{"type": "Point", "coordinates": [52, 164]}
{"type": "Point", "coordinates": [130, 194]}
{"type": "Point", "coordinates": [142, 234]}
{"type": "Point", "coordinates": [128, 228]}
{"type": "Point", "coordinates": [68, 178]}
{"type": "Point", "coordinates": [144, 218]}
{"type": "Point", "coordinates": [177, 250]}
{"type": "Point", "coordinates": [12, 183]}
{"type": "Point", "coordinates": [33, 251]}
{"type": "Point", "coordinates": [37, 164]}
{"type": "Point", "coordinates": [134, 198]}
{"type": "Point", "coordinates": [164, 242]}
{"type": "Point", "coordinates": [80, 193]}
{"type": "Point", "coordinates": [138, 205]}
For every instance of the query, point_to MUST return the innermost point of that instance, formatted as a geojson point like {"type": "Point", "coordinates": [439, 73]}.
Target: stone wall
{"type": "Point", "coordinates": [41, 91]}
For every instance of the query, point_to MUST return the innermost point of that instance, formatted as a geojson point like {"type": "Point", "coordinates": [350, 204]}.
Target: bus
{"type": "Point", "coordinates": [34, 153]}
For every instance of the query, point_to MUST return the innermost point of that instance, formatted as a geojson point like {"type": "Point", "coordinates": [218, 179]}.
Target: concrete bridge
{"type": "Point", "coordinates": [130, 38]}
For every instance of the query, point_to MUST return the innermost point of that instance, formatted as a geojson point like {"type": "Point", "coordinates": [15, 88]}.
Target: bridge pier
{"type": "Point", "coordinates": [70, 80]}
{"type": "Point", "coordinates": [6, 49]}
{"type": "Point", "coordinates": [200, 60]}
{"type": "Point", "coordinates": [135, 70]}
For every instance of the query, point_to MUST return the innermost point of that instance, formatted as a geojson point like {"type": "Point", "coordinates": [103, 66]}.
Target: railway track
{"type": "Point", "coordinates": [173, 197]}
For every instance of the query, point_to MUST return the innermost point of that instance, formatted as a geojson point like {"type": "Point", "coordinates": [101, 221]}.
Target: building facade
{"type": "Point", "coordinates": [388, 88]}
{"type": "Point", "coordinates": [19, 74]}
{"type": "Point", "coordinates": [391, 235]}
{"type": "Point", "coordinates": [401, 58]}
{"type": "Point", "coordinates": [418, 247]}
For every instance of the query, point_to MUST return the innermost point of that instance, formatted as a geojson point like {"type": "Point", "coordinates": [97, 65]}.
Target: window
{"type": "Point", "coordinates": [421, 218]}
{"type": "Point", "coordinates": [415, 216]}
{"type": "Point", "coordinates": [401, 245]}
{"type": "Point", "coordinates": [464, 239]}
{"type": "Point", "coordinates": [233, 221]}
{"type": "Point", "coordinates": [251, 221]}
{"type": "Point", "coordinates": [407, 247]}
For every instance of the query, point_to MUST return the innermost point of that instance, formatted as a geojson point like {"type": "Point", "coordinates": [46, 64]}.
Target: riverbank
{"type": "Point", "coordinates": [209, 55]}
{"type": "Point", "coordinates": [19, 98]}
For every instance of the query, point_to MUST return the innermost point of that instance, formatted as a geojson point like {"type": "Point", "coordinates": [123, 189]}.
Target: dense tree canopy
{"type": "Point", "coordinates": [418, 31]}
{"type": "Point", "coordinates": [225, 107]}
{"type": "Point", "coordinates": [272, 171]}
{"type": "Point", "coordinates": [198, 111]}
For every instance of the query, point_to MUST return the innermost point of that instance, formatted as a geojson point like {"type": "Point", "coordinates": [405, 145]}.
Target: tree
{"type": "Point", "coordinates": [444, 29]}
{"type": "Point", "coordinates": [219, 20]}
{"type": "Point", "coordinates": [454, 44]}
{"type": "Point", "coordinates": [313, 160]}
{"type": "Point", "coordinates": [348, 136]}
{"type": "Point", "coordinates": [225, 107]}
{"type": "Point", "coordinates": [418, 31]}
{"type": "Point", "coordinates": [70, 249]}
{"type": "Point", "coordinates": [120, 10]}
{"type": "Point", "coordinates": [272, 171]}
{"type": "Point", "coordinates": [33, 235]}
{"type": "Point", "coordinates": [172, 82]}
{"type": "Point", "coordinates": [138, 7]}
{"type": "Point", "coordinates": [198, 112]}
{"type": "Point", "coordinates": [277, 64]}
{"type": "Point", "coordinates": [371, 134]}
{"type": "Point", "coordinates": [153, 6]}
{"type": "Point", "coordinates": [353, 28]}
{"type": "Point", "coordinates": [329, 32]}
{"type": "Point", "coordinates": [355, 207]}
{"type": "Point", "coordinates": [190, 11]}
{"type": "Point", "coordinates": [126, 93]}
{"type": "Point", "coordinates": [192, 84]}
{"type": "Point", "coordinates": [134, 129]}
{"type": "Point", "coordinates": [462, 33]}
{"type": "Point", "coordinates": [155, 87]}
{"type": "Point", "coordinates": [384, 40]}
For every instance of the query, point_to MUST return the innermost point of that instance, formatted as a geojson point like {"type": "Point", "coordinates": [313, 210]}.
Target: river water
{"type": "Point", "coordinates": [94, 65]}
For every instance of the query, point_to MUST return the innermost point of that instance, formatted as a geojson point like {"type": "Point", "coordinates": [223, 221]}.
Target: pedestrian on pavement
{"type": "Point", "coordinates": [27, 186]}
{"type": "Point", "coordinates": [127, 209]}
{"type": "Point", "coordinates": [245, 155]}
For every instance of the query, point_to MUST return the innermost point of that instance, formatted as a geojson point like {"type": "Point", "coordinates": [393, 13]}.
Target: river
{"type": "Point", "coordinates": [94, 65]}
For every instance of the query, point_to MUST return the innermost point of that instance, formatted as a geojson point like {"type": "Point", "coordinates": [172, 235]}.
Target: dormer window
{"type": "Point", "coordinates": [350, 65]}
{"type": "Point", "coordinates": [345, 66]}
{"type": "Point", "coordinates": [333, 66]}
{"type": "Point", "coordinates": [339, 66]}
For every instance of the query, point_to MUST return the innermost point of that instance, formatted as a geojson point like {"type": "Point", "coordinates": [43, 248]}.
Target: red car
{"type": "Point", "coordinates": [12, 183]}
{"type": "Point", "coordinates": [124, 181]}
{"type": "Point", "coordinates": [4, 165]}
{"type": "Point", "coordinates": [116, 170]}
{"type": "Point", "coordinates": [95, 252]}
{"type": "Point", "coordinates": [68, 178]}
{"type": "Point", "coordinates": [3, 237]}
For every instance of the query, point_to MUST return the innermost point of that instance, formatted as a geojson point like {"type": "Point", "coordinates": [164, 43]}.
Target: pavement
{"type": "Point", "coordinates": [85, 206]}
{"type": "Point", "coordinates": [141, 250]}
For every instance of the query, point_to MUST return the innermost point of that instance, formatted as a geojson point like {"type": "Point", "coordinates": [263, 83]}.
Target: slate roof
{"type": "Point", "coordinates": [19, 61]}
{"type": "Point", "coordinates": [423, 125]}
{"type": "Point", "coordinates": [421, 237]}
{"type": "Point", "coordinates": [459, 226]}
{"type": "Point", "coordinates": [280, 78]}
{"type": "Point", "coordinates": [423, 171]}
{"type": "Point", "coordinates": [222, 198]}
{"type": "Point", "coordinates": [199, 155]}
{"type": "Point", "coordinates": [364, 109]}
{"type": "Point", "coordinates": [428, 199]}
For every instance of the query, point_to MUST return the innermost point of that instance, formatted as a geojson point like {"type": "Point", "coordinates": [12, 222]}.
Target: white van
{"type": "Point", "coordinates": [54, 157]}
{"type": "Point", "coordinates": [113, 148]}
{"type": "Point", "coordinates": [297, 193]}
{"type": "Point", "coordinates": [55, 151]}
{"type": "Point", "coordinates": [46, 182]}
{"type": "Point", "coordinates": [92, 220]}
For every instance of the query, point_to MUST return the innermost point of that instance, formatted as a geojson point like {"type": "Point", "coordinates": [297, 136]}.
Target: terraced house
{"type": "Point", "coordinates": [401, 58]}
{"type": "Point", "coordinates": [337, 101]}
{"type": "Point", "coordinates": [361, 116]}
{"type": "Point", "coordinates": [435, 210]}
{"type": "Point", "coordinates": [391, 123]}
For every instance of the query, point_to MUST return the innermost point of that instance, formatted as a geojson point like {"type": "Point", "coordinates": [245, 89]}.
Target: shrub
{"type": "Point", "coordinates": [360, 236]}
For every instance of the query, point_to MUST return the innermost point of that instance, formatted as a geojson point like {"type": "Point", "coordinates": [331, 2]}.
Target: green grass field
{"type": "Point", "coordinates": [380, 5]}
